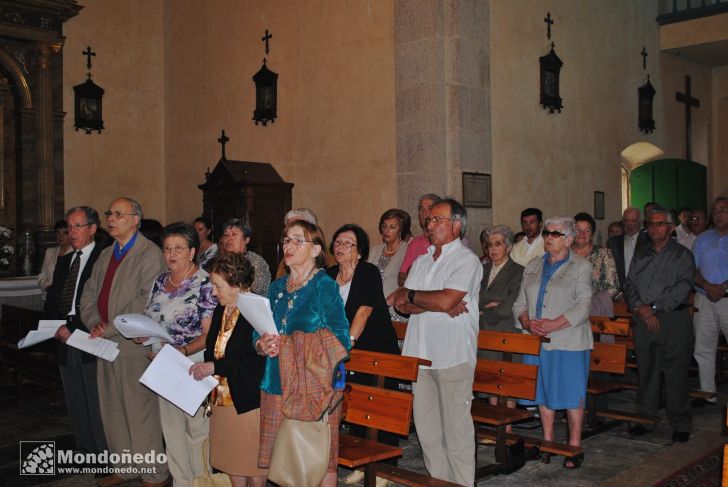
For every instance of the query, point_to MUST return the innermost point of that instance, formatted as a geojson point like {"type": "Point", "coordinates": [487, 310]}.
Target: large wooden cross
{"type": "Point", "coordinates": [689, 102]}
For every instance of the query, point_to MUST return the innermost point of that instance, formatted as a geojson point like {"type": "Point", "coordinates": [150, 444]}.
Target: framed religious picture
{"type": "Point", "coordinates": [599, 205]}
{"type": "Point", "coordinates": [477, 190]}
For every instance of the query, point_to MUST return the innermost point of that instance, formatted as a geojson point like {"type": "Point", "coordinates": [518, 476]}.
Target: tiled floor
{"type": "Point", "coordinates": [613, 457]}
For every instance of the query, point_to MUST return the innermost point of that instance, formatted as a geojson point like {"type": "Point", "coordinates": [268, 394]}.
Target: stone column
{"type": "Point", "coordinates": [44, 127]}
{"type": "Point", "coordinates": [442, 99]}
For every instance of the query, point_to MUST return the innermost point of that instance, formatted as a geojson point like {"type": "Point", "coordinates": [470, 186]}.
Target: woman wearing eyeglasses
{"type": "Point", "coordinates": [182, 302]}
{"type": "Point", "coordinates": [306, 300]}
{"type": "Point", "coordinates": [554, 301]}
{"type": "Point", "coordinates": [605, 281]}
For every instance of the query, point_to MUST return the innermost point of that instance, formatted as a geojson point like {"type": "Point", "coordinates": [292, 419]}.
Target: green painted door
{"type": "Point", "coordinates": [672, 183]}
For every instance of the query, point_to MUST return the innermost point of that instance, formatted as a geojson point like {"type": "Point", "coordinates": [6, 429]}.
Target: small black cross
{"type": "Point", "coordinates": [265, 39]}
{"type": "Point", "coordinates": [549, 23]}
{"type": "Point", "coordinates": [88, 53]}
{"type": "Point", "coordinates": [223, 140]}
{"type": "Point", "coordinates": [689, 102]}
{"type": "Point", "coordinates": [644, 57]}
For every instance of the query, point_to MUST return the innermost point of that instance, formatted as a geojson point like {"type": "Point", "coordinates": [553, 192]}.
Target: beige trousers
{"type": "Point", "coordinates": [444, 425]}
{"type": "Point", "coordinates": [184, 437]}
{"type": "Point", "coordinates": [130, 413]}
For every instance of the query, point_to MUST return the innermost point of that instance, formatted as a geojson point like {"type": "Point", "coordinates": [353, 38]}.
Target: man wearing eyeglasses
{"type": "Point", "coordinates": [441, 295]}
{"type": "Point", "coordinates": [78, 369]}
{"type": "Point", "coordinates": [657, 288]}
{"type": "Point", "coordinates": [120, 283]}
{"type": "Point", "coordinates": [711, 299]}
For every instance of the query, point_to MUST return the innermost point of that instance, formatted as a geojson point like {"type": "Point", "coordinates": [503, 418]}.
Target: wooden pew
{"type": "Point", "coordinates": [377, 408]}
{"type": "Point", "coordinates": [609, 358]}
{"type": "Point", "coordinates": [400, 328]}
{"type": "Point", "coordinates": [505, 379]}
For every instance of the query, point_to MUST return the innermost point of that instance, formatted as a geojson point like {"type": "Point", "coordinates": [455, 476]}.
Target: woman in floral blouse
{"type": "Point", "coordinates": [182, 302]}
{"type": "Point", "coordinates": [605, 283]}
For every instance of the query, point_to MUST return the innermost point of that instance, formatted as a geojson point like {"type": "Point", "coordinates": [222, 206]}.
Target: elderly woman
{"type": "Point", "coordinates": [235, 238]}
{"type": "Point", "coordinates": [554, 301]}
{"type": "Point", "coordinates": [208, 249]}
{"type": "Point", "coordinates": [394, 226]}
{"type": "Point", "coordinates": [305, 300]}
{"type": "Point", "coordinates": [182, 302]}
{"type": "Point", "coordinates": [370, 326]}
{"type": "Point", "coordinates": [231, 358]}
{"type": "Point", "coordinates": [605, 282]}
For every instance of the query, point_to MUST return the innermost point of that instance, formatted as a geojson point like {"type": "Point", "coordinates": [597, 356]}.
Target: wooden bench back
{"type": "Point", "coordinates": [505, 379]}
{"type": "Point", "coordinates": [400, 328]}
{"type": "Point", "coordinates": [385, 364]}
{"type": "Point", "coordinates": [608, 357]}
{"type": "Point", "coordinates": [509, 342]}
{"type": "Point", "coordinates": [621, 310]}
{"type": "Point", "coordinates": [379, 409]}
{"type": "Point", "coordinates": [609, 326]}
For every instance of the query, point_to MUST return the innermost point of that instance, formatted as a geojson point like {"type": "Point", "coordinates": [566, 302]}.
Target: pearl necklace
{"type": "Point", "coordinates": [390, 253]}
{"type": "Point", "coordinates": [184, 278]}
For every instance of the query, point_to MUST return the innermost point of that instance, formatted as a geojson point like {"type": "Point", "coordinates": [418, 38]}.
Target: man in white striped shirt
{"type": "Point", "coordinates": [441, 294]}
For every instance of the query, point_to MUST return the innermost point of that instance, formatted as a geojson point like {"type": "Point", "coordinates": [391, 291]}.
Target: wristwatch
{"type": "Point", "coordinates": [411, 296]}
{"type": "Point", "coordinates": [654, 309]}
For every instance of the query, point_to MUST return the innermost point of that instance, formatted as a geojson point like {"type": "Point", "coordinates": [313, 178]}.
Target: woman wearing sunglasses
{"type": "Point", "coordinates": [554, 302]}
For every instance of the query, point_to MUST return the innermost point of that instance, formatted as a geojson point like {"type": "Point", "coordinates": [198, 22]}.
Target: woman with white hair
{"type": "Point", "coordinates": [554, 301]}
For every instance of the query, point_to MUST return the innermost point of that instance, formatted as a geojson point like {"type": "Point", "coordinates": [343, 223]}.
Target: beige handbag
{"type": "Point", "coordinates": [208, 479]}
{"type": "Point", "coordinates": [300, 456]}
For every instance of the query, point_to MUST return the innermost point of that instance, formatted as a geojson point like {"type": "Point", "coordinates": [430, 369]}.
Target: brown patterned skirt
{"type": "Point", "coordinates": [271, 418]}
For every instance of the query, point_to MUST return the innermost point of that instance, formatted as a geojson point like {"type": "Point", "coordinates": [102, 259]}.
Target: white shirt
{"type": "Point", "coordinates": [494, 270]}
{"type": "Point", "coordinates": [434, 336]}
{"type": "Point", "coordinates": [685, 237]}
{"type": "Point", "coordinates": [524, 252]}
{"type": "Point", "coordinates": [629, 244]}
{"type": "Point", "coordinates": [86, 253]}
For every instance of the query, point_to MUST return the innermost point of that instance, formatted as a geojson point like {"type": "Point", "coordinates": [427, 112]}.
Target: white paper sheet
{"type": "Point", "coordinates": [137, 325]}
{"type": "Point", "coordinates": [100, 347]}
{"type": "Point", "coordinates": [169, 376]}
{"type": "Point", "coordinates": [46, 330]}
{"type": "Point", "coordinates": [256, 309]}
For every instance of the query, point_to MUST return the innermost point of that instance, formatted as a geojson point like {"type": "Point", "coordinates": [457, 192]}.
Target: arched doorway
{"type": "Point", "coordinates": [632, 157]}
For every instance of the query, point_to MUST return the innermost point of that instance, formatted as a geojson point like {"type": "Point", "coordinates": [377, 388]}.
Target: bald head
{"type": "Point", "coordinates": [631, 221]}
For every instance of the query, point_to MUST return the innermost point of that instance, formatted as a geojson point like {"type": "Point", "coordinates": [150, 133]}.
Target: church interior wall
{"type": "Point", "coordinates": [718, 172]}
{"type": "Point", "coordinates": [128, 157]}
{"type": "Point", "coordinates": [334, 136]}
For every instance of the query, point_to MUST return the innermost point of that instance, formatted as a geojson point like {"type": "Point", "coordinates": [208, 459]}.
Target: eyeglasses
{"type": "Point", "coordinates": [696, 218]}
{"type": "Point", "coordinates": [718, 211]}
{"type": "Point", "coordinates": [657, 224]}
{"type": "Point", "coordinates": [295, 241]}
{"type": "Point", "coordinates": [583, 230]}
{"type": "Point", "coordinates": [117, 214]}
{"type": "Point", "coordinates": [76, 226]}
{"type": "Point", "coordinates": [384, 226]}
{"type": "Point", "coordinates": [174, 250]}
{"type": "Point", "coordinates": [436, 219]}
{"type": "Point", "coordinates": [345, 244]}
{"type": "Point", "coordinates": [555, 234]}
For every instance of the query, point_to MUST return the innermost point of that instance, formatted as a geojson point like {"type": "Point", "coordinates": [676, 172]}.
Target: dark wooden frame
{"type": "Point", "coordinates": [599, 205]}
{"type": "Point", "coordinates": [473, 184]}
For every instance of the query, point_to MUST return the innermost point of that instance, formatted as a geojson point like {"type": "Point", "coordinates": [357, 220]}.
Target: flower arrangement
{"type": "Point", "coordinates": [7, 248]}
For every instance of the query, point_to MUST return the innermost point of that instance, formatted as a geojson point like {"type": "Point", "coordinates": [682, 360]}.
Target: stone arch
{"type": "Point", "coordinates": [14, 71]}
{"type": "Point", "coordinates": [632, 157]}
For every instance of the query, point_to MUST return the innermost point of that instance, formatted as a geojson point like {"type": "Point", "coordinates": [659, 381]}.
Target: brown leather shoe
{"type": "Point", "coordinates": [163, 483]}
{"type": "Point", "coordinates": [110, 481]}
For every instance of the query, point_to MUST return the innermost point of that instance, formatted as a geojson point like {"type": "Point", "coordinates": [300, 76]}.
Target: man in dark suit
{"type": "Point", "coordinates": [625, 246]}
{"type": "Point", "coordinates": [78, 369]}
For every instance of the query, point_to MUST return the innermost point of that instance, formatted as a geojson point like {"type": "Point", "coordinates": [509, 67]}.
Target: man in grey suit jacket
{"type": "Point", "coordinates": [119, 284]}
{"type": "Point", "coordinates": [624, 247]}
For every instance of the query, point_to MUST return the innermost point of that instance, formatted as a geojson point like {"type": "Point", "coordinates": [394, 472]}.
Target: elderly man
{"type": "Point", "coordinates": [441, 294]}
{"type": "Point", "coordinates": [120, 283]}
{"type": "Point", "coordinates": [78, 369]}
{"type": "Point", "coordinates": [711, 299]}
{"type": "Point", "coordinates": [418, 245]}
{"type": "Point", "coordinates": [656, 290]}
{"type": "Point", "coordinates": [236, 237]}
{"type": "Point", "coordinates": [532, 244]}
{"type": "Point", "coordinates": [623, 247]}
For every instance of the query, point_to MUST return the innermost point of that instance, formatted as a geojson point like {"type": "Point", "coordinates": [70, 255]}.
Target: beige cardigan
{"type": "Point", "coordinates": [130, 289]}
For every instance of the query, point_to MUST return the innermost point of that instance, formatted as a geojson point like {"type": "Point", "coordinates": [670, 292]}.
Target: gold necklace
{"type": "Point", "coordinates": [295, 286]}
{"type": "Point", "coordinates": [390, 253]}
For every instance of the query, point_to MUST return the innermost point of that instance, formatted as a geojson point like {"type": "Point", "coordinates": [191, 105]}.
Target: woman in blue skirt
{"type": "Point", "coordinates": [554, 302]}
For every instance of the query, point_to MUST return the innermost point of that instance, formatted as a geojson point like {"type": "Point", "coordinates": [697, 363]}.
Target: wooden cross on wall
{"type": "Point", "coordinates": [223, 140]}
{"type": "Point", "coordinates": [689, 102]}
{"type": "Point", "coordinates": [267, 37]}
{"type": "Point", "coordinates": [644, 57]}
{"type": "Point", "coordinates": [88, 53]}
{"type": "Point", "coordinates": [549, 23]}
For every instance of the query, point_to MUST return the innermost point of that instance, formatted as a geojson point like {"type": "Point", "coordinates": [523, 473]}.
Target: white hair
{"type": "Point", "coordinates": [301, 214]}
{"type": "Point", "coordinates": [565, 223]}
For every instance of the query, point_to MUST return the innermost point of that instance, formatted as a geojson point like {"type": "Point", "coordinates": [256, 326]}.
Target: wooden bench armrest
{"type": "Point", "coordinates": [407, 477]}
